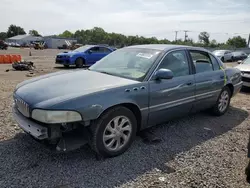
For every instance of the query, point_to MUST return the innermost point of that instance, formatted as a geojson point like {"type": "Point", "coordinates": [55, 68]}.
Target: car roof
{"type": "Point", "coordinates": [165, 47]}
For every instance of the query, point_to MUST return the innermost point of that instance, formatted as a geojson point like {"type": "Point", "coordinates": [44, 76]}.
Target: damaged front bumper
{"type": "Point", "coordinates": [30, 127]}
{"type": "Point", "coordinates": [53, 135]}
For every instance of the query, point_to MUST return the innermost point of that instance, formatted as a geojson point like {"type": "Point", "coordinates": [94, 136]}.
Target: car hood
{"type": "Point", "coordinates": [69, 53]}
{"type": "Point", "coordinates": [51, 89]}
{"type": "Point", "coordinates": [243, 67]}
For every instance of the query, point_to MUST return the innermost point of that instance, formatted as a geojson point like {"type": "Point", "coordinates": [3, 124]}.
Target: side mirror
{"type": "Point", "coordinates": [163, 74]}
{"type": "Point", "coordinates": [90, 51]}
{"type": "Point", "coordinates": [239, 62]}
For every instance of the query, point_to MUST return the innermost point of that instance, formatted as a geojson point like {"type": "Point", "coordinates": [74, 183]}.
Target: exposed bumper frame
{"type": "Point", "coordinates": [32, 128]}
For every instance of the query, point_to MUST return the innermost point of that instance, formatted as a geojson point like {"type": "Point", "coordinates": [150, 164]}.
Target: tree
{"type": "Point", "coordinates": [213, 44]}
{"type": "Point", "coordinates": [204, 37]}
{"type": "Point", "coordinates": [3, 35]}
{"type": "Point", "coordinates": [237, 42]}
{"type": "Point", "coordinates": [34, 33]}
{"type": "Point", "coordinates": [14, 30]}
{"type": "Point", "coordinates": [66, 34]}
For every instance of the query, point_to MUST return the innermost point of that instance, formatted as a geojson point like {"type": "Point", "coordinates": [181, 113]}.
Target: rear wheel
{"type": "Point", "coordinates": [223, 102]}
{"type": "Point", "coordinates": [79, 62]}
{"type": "Point", "coordinates": [114, 132]}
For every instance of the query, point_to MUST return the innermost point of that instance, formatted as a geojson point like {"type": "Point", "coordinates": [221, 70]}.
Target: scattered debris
{"type": "Point", "coordinates": [208, 129]}
{"type": "Point", "coordinates": [30, 74]}
{"type": "Point", "coordinates": [23, 66]}
{"type": "Point", "coordinates": [162, 178]}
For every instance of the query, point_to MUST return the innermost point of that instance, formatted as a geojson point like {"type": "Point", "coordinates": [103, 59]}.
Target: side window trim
{"type": "Point", "coordinates": [162, 58]}
{"type": "Point", "coordinates": [210, 54]}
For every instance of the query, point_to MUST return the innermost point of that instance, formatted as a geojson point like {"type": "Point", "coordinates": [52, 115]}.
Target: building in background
{"type": "Point", "coordinates": [58, 42]}
{"type": "Point", "coordinates": [23, 39]}
{"type": "Point", "coordinates": [53, 42]}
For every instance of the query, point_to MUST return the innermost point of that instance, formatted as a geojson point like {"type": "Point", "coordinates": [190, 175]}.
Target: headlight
{"type": "Point", "coordinates": [51, 117]}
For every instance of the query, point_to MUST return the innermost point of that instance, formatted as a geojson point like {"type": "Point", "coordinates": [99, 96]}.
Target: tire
{"type": "Point", "coordinates": [105, 124]}
{"type": "Point", "coordinates": [232, 59]}
{"type": "Point", "coordinates": [221, 107]}
{"type": "Point", "coordinates": [66, 66]}
{"type": "Point", "coordinates": [79, 62]}
{"type": "Point", "coordinates": [222, 59]}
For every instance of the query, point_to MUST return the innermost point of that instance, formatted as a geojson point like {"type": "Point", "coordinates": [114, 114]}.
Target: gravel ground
{"type": "Point", "coordinates": [196, 151]}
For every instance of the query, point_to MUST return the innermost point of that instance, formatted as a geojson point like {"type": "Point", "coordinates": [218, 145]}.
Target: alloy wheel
{"type": "Point", "coordinates": [223, 101]}
{"type": "Point", "coordinates": [117, 133]}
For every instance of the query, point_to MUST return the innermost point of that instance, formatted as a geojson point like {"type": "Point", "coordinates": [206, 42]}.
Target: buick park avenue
{"type": "Point", "coordinates": [130, 89]}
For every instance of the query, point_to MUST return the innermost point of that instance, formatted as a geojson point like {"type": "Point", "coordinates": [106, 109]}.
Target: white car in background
{"type": "Point", "coordinates": [244, 67]}
{"type": "Point", "coordinates": [224, 55]}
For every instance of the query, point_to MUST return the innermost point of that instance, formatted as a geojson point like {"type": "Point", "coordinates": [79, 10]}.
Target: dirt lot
{"type": "Point", "coordinates": [196, 151]}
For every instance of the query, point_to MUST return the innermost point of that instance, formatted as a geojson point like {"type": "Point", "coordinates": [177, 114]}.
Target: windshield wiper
{"type": "Point", "coordinates": [104, 72]}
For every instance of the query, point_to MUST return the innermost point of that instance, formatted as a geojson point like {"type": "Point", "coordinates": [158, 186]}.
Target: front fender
{"type": "Point", "coordinates": [94, 111]}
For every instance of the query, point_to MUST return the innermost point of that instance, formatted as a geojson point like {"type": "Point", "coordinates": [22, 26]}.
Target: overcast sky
{"type": "Point", "coordinates": [158, 18]}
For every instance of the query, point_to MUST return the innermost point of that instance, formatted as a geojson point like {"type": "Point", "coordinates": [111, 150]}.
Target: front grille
{"type": "Point", "coordinates": [22, 107]}
{"type": "Point", "coordinates": [59, 61]}
{"type": "Point", "coordinates": [245, 79]}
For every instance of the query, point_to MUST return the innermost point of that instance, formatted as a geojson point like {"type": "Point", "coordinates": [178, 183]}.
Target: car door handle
{"type": "Point", "coordinates": [189, 83]}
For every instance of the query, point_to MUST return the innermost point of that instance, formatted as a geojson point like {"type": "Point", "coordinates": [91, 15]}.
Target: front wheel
{"type": "Point", "coordinates": [222, 59]}
{"type": "Point", "coordinates": [79, 62]}
{"type": "Point", "coordinates": [114, 132]}
{"type": "Point", "coordinates": [223, 102]}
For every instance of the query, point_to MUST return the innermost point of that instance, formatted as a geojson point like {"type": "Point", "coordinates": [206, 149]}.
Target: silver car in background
{"type": "Point", "coordinates": [239, 55]}
{"type": "Point", "coordinates": [223, 55]}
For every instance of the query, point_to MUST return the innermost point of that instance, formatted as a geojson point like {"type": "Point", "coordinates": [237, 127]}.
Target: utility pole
{"type": "Point", "coordinates": [176, 33]}
{"type": "Point", "coordinates": [248, 43]}
{"type": "Point", "coordinates": [185, 37]}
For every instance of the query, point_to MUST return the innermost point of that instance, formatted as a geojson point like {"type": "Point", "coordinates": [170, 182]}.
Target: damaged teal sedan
{"type": "Point", "coordinates": [129, 90]}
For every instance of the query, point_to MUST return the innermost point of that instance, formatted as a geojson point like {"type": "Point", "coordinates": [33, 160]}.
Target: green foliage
{"type": "Point", "coordinates": [97, 35]}
{"type": "Point", "coordinates": [14, 30]}
{"type": "Point", "coordinates": [237, 42]}
{"type": "Point", "coordinates": [66, 34]}
{"type": "Point", "coordinates": [3, 35]}
{"type": "Point", "coordinates": [34, 33]}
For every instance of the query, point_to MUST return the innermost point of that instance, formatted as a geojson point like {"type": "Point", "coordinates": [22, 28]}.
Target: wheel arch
{"type": "Point", "coordinates": [231, 87]}
{"type": "Point", "coordinates": [131, 106]}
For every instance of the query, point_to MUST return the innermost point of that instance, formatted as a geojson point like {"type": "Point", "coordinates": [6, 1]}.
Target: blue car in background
{"type": "Point", "coordinates": [84, 56]}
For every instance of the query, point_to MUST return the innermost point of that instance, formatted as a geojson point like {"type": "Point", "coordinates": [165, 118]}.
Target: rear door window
{"type": "Point", "coordinates": [202, 61]}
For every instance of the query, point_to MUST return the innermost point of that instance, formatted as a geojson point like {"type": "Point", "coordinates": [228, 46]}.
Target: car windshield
{"type": "Point", "coordinates": [132, 63]}
{"type": "Point", "coordinates": [247, 61]}
{"type": "Point", "coordinates": [82, 48]}
{"type": "Point", "coordinates": [238, 53]}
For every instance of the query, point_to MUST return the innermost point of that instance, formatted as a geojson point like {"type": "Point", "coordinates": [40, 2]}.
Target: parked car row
{"type": "Point", "coordinates": [130, 89]}
{"type": "Point", "coordinates": [227, 55]}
